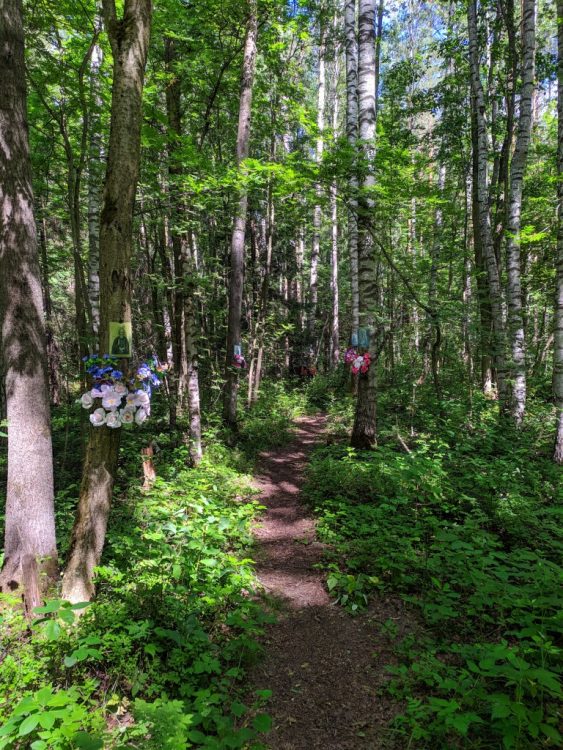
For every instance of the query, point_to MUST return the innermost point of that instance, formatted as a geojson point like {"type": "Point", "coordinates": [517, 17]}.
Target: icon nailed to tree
{"type": "Point", "coordinates": [120, 339]}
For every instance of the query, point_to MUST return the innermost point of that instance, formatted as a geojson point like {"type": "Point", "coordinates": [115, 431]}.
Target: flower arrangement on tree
{"type": "Point", "coordinates": [359, 363]}
{"type": "Point", "coordinates": [119, 400]}
{"type": "Point", "coordinates": [239, 361]}
{"type": "Point", "coordinates": [350, 355]}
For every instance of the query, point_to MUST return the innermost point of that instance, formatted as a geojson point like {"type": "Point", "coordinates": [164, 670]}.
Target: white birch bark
{"type": "Point", "coordinates": [352, 135]}
{"type": "Point", "coordinates": [558, 337]}
{"type": "Point", "coordinates": [517, 171]}
{"type": "Point", "coordinates": [317, 211]}
{"type": "Point", "coordinates": [364, 430]}
{"type": "Point", "coordinates": [481, 188]}
{"type": "Point", "coordinates": [95, 176]}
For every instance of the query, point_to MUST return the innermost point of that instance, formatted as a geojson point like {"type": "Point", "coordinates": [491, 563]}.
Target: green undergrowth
{"type": "Point", "coordinates": [158, 660]}
{"type": "Point", "coordinates": [461, 517]}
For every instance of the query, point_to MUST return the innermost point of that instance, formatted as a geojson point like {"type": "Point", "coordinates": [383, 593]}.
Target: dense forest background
{"type": "Point", "coordinates": [215, 217]}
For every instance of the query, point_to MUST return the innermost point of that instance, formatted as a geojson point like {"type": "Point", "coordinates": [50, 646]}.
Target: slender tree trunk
{"type": "Point", "coordinates": [317, 211]}
{"type": "Point", "coordinates": [239, 230]}
{"type": "Point", "coordinates": [483, 228]}
{"type": "Point", "coordinates": [352, 135]}
{"type": "Point", "coordinates": [52, 347]}
{"type": "Point", "coordinates": [95, 161]}
{"type": "Point", "coordinates": [29, 538]}
{"type": "Point", "coordinates": [558, 339]}
{"type": "Point", "coordinates": [129, 38]}
{"type": "Point", "coordinates": [517, 170]}
{"type": "Point", "coordinates": [364, 430]}
{"type": "Point", "coordinates": [334, 357]}
{"type": "Point", "coordinates": [184, 267]}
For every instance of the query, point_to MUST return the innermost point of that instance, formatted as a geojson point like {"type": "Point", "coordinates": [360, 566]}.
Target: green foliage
{"type": "Point", "coordinates": [466, 528]}
{"type": "Point", "coordinates": [158, 660]}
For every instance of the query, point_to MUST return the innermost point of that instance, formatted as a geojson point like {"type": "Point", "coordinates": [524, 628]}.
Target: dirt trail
{"type": "Point", "coordinates": [325, 668]}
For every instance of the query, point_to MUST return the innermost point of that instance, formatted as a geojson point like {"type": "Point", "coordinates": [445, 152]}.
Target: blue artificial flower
{"type": "Point", "coordinates": [154, 380]}
{"type": "Point", "coordinates": [107, 356]}
{"type": "Point", "coordinates": [86, 358]}
{"type": "Point", "coordinates": [117, 374]}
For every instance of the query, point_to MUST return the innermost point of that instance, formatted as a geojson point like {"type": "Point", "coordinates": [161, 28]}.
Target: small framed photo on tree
{"type": "Point", "coordinates": [120, 339]}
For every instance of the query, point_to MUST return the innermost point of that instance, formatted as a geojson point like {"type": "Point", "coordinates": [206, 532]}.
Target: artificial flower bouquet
{"type": "Point", "coordinates": [359, 363]}
{"type": "Point", "coordinates": [117, 399]}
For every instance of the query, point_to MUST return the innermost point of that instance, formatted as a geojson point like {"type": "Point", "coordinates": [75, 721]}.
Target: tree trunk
{"type": "Point", "coordinates": [483, 228]}
{"type": "Point", "coordinates": [352, 135]}
{"type": "Point", "coordinates": [184, 267]}
{"type": "Point", "coordinates": [558, 340]}
{"type": "Point", "coordinates": [239, 229]}
{"type": "Point", "coordinates": [129, 37]}
{"type": "Point", "coordinates": [364, 430]}
{"type": "Point", "coordinates": [317, 211]}
{"type": "Point", "coordinates": [517, 170]}
{"type": "Point", "coordinates": [335, 322]}
{"type": "Point", "coordinates": [95, 160]}
{"type": "Point", "coordinates": [29, 538]}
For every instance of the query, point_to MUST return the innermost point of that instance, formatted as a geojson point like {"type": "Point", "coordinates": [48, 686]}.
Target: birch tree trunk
{"type": "Point", "coordinates": [239, 229]}
{"type": "Point", "coordinates": [334, 357]}
{"type": "Point", "coordinates": [558, 339]}
{"type": "Point", "coordinates": [364, 430]}
{"type": "Point", "coordinates": [129, 38]}
{"type": "Point", "coordinates": [517, 170]}
{"type": "Point", "coordinates": [317, 211]}
{"type": "Point", "coordinates": [29, 537]}
{"type": "Point", "coordinates": [352, 135]}
{"type": "Point", "coordinates": [95, 160]}
{"type": "Point", "coordinates": [483, 216]}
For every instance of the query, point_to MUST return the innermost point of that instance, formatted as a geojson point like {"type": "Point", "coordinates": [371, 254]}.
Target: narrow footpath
{"type": "Point", "coordinates": [326, 668]}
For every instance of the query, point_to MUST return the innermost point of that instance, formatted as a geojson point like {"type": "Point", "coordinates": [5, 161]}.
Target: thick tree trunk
{"type": "Point", "coordinates": [481, 188]}
{"type": "Point", "coordinates": [29, 544]}
{"type": "Point", "coordinates": [517, 169]}
{"type": "Point", "coordinates": [236, 281]}
{"type": "Point", "coordinates": [364, 430]}
{"type": "Point", "coordinates": [558, 340]}
{"type": "Point", "coordinates": [129, 37]}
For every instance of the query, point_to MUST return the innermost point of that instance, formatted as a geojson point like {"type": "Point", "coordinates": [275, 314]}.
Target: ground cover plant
{"type": "Point", "coordinates": [158, 660]}
{"type": "Point", "coordinates": [463, 520]}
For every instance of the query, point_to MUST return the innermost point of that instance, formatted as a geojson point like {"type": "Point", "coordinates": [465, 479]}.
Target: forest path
{"type": "Point", "coordinates": [325, 668]}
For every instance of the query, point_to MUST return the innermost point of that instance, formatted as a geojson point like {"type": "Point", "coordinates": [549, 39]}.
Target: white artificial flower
{"type": "Point", "coordinates": [111, 400]}
{"type": "Point", "coordinates": [98, 417]}
{"type": "Point", "coordinates": [140, 416]}
{"type": "Point", "coordinates": [131, 399]}
{"type": "Point", "coordinates": [105, 387]}
{"type": "Point", "coordinates": [86, 400]}
{"type": "Point", "coordinates": [127, 416]}
{"type": "Point", "coordinates": [96, 393]}
{"type": "Point", "coordinates": [142, 399]}
{"type": "Point", "coordinates": [120, 388]}
{"type": "Point", "coordinates": [113, 420]}
{"type": "Point", "coordinates": [358, 362]}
